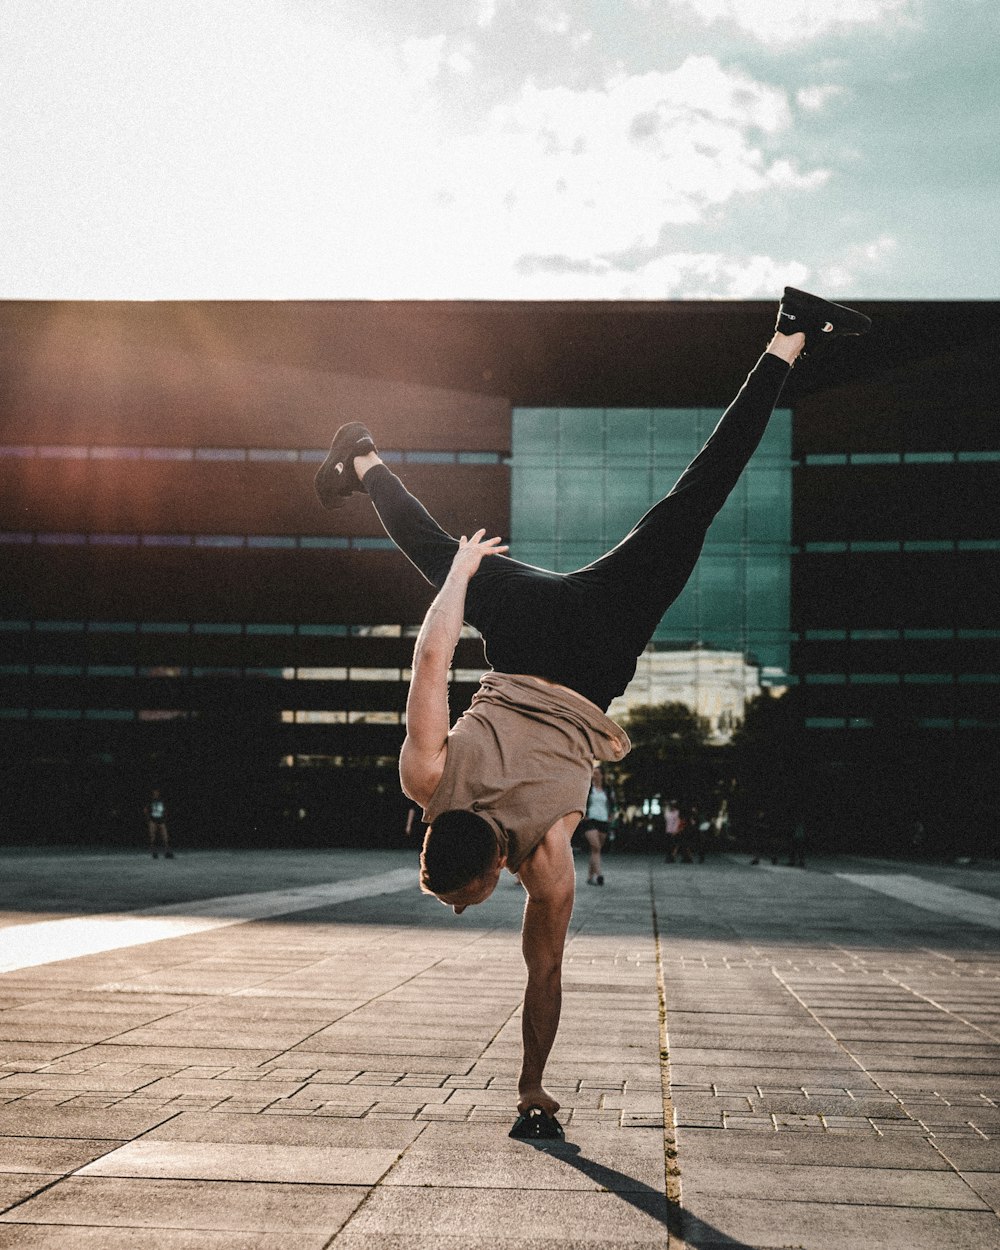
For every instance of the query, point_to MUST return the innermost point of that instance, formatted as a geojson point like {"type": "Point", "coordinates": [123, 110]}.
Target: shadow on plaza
{"type": "Point", "coordinates": [643, 1197]}
{"type": "Point", "coordinates": [652, 1202]}
{"type": "Point", "coordinates": [722, 902]}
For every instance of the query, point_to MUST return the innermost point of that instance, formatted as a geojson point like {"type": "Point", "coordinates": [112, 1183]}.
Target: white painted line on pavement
{"type": "Point", "coordinates": [946, 899]}
{"type": "Point", "coordinates": [46, 941]}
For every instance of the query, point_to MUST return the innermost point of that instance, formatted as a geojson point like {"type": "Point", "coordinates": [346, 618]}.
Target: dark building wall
{"type": "Point", "coordinates": [896, 598]}
{"type": "Point", "coordinates": [157, 473]}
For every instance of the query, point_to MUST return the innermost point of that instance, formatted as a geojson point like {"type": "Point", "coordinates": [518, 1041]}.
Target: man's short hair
{"type": "Point", "coordinates": [459, 847]}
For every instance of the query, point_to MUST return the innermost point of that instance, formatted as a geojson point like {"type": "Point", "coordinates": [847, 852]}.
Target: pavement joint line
{"type": "Point", "coordinates": [51, 941]}
{"type": "Point", "coordinates": [671, 1158]}
{"type": "Point", "coordinates": [948, 900]}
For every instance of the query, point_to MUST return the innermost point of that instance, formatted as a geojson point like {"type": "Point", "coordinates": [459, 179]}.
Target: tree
{"type": "Point", "coordinates": [772, 761]}
{"type": "Point", "coordinates": [669, 753]}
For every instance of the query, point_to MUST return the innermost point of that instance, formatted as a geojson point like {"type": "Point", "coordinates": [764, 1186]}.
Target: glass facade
{"type": "Point", "coordinates": [582, 477]}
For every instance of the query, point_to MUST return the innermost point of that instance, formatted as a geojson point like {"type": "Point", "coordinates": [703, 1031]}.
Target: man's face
{"type": "Point", "coordinates": [477, 891]}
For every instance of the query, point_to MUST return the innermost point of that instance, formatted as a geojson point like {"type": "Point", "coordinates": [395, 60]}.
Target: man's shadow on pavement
{"type": "Point", "coordinates": [652, 1202]}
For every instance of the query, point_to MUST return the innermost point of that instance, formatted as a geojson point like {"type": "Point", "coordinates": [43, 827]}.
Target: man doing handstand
{"type": "Point", "coordinates": [506, 786]}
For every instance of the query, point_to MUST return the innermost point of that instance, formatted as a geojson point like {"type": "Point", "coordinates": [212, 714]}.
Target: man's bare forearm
{"type": "Point", "coordinates": [442, 625]}
{"type": "Point", "coordinates": [539, 1025]}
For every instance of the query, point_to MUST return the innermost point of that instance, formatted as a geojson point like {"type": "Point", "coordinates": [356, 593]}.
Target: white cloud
{"type": "Point", "coordinates": [680, 275]}
{"type": "Point", "coordinates": [796, 21]}
{"type": "Point", "coordinates": [423, 58]}
{"type": "Point", "coordinates": [815, 98]}
{"type": "Point", "coordinates": [592, 172]}
{"type": "Point", "coordinates": [863, 261]}
{"type": "Point", "coordinates": [485, 12]}
{"type": "Point", "coordinates": [557, 22]}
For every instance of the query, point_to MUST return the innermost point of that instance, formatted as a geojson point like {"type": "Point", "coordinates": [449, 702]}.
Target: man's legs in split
{"type": "Point", "coordinates": [586, 629]}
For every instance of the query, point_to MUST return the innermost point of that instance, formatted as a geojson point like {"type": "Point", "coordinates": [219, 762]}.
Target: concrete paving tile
{"type": "Point", "coordinates": [942, 1066]}
{"type": "Point", "coordinates": [342, 1076]}
{"type": "Point", "coordinates": [397, 1217]}
{"type": "Point", "coordinates": [459, 1034]}
{"type": "Point", "coordinates": [203, 1204]}
{"type": "Point", "coordinates": [74, 1081]}
{"type": "Point", "coordinates": [194, 1126]}
{"type": "Point", "coordinates": [316, 1091]}
{"type": "Point", "coordinates": [15, 1188]}
{"type": "Point", "coordinates": [820, 1057]}
{"type": "Point", "coordinates": [730, 1078]}
{"type": "Point", "coordinates": [707, 1146]}
{"type": "Point", "coordinates": [272, 1040]}
{"type": "Point", "coordinates": [182, 1056]}
{"type": "Point", "coordinates": [376, 1062]}
{"type": "Point", "coordinates": [379, 1043]}
{"type": "Point", "coordinates": [179, 1160]}
{"type": "Point", "coordinates": [49, 1154]}
{"type": "Point", "coordinates": [58, 1030]}
{"type": "Point", "coordinates": [477, 1157]}
{"type": "Point", "coordinates": [972, 1154]}
{"type": "Point", "coordinates": [818, 1104]}
{"type": "Point", "coordinates": [986, 1185]}
{"type": "Point", "coordinates": [438, 1111]}
{"type": "Point", "coordinates": [804, 1040]}
{"type": "Point", "coordinates": [51, 1237]}
{"type": "Point", "coordinates": [28, 1119]}
{"type": "Point", "coordinates": [174, 1086]}
{"type": "Point", "coordinates": [880, 1187]}
{"type": "Point", "coordinates": [711, 1224]}
{"type": "Point", "coordinates": [43, 1052]}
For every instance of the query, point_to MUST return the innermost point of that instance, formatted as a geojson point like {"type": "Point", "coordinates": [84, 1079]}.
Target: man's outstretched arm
{"type": "Point", "coordinates": [421, 761]}
{"type": "Point", "coordinates": [549, 877]}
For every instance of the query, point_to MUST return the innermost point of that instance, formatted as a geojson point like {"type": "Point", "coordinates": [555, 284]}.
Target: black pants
{"type": "Point", "coordinates": [586, 629]}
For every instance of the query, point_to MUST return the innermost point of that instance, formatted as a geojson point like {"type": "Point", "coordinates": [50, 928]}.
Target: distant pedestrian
{"type": "Point", "coordinates": [797, 845]}
{"type": "Point", "coordinates": [673, 823]}
{"type": "Point", "coordinates": [761, 839]}
{"type": "Point", "coordinates": [596, 825]}
{"type": "Point", "coordinates": [156, 823]}
{"type": "Point", "coordinates": [701, 831]}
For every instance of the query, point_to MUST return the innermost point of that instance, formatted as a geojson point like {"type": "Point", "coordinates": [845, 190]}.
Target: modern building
{"type": "Point", "coordinates": [177, 607]}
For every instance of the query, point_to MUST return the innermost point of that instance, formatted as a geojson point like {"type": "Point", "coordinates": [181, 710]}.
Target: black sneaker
{"type": "Point", "coordinates": [818, 319]}
{"type": "Point", "coordinates": [335, 479]}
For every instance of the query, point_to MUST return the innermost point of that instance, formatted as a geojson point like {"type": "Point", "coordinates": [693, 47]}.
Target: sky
{"type": "Point", "coordinates": [499, 149]}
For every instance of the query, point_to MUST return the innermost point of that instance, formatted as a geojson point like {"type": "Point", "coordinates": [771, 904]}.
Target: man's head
{"type": "Point", "coordinates": [461, 862]}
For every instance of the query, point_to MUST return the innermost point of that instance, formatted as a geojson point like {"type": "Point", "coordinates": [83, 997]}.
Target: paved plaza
{"type": "Point", "coordinates": [289, 1051]}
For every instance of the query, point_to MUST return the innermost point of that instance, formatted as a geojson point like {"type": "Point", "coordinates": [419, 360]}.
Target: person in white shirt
{"type": "Point", "coordinates": [595, 826]}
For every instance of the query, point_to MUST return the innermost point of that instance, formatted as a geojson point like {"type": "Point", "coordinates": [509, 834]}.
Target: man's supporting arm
{"type": "Point", "coordinates": [549, 877]}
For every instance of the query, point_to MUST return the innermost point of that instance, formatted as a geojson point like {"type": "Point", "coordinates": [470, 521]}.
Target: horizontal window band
{"type": "Point", "coordinates": [861, 458]}
{"type": "Point", "coordinates": [362, 542]}
{"type": "Point", "coordinates": [398, 675]}
{"type": "Point", "coordinates": [262, 455]}
{"type": "Point", "coordinates": [152, 715]}
{"type": "Point", "coordinates": [380, 631]}
{"type": "Point", "coordinates": [894, 546]}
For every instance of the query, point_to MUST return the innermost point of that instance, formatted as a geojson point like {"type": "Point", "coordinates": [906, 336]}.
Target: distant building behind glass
{"type": "Point", "coordinates": [582, 477]}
